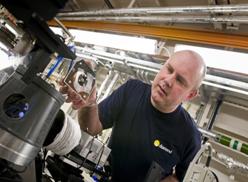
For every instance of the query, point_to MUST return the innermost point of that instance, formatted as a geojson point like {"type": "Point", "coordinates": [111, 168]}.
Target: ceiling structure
{"type": "Point", "coordinates": [221, 23]}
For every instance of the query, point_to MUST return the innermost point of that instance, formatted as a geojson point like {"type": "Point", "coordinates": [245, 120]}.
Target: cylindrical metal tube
{"type": "Point", "coordinates": [232, 143]}
{"type": "Point", "coordinates": [163, 19]}
{"type": "Point", "coordinates": [26, 118]}
{"type": "Point", "coordinates": [163, 10]}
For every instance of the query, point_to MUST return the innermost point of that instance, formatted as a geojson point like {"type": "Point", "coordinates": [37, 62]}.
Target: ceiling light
{"type": "Point", "coordinates": [221, 59]}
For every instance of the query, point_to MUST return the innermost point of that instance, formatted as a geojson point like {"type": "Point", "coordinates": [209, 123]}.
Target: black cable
{"type": "Point", "coordinates": [91, 144]}
{"type": "Point", "coordinates": [110, 6]}
{"type": "Point", "coordinates": [100, 157]}
{"type": "Point", "coordinates": [216, 177]}
{"type": "Point", "coordinates": [209, 156]}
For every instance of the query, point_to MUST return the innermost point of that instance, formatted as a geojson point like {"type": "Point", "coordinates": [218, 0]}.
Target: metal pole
{"type": "Point", "coordinates": [237, 9]}
{"type": "Point", "coordinates": [164, 19]}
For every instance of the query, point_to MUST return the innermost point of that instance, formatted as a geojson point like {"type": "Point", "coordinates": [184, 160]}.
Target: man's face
{"type": "Point", "coordinates": [174, 83]}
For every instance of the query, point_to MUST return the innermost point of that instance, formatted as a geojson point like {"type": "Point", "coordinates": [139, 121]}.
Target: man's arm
{"type": "Point", "coordinates": [89, 120]}
{"type": "Point", "coordinates": [171, 178]}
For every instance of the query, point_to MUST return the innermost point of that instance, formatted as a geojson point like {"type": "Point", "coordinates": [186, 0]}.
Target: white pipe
{"type": "Point", "coordinates": [164, 19]}
{"type": "Point", "coordinates": [110, 87]}
{"type": "Point", "coordinates": [64, 28]}
{"type": "Point", "coordinates": [226, 81]}
{"type": "Point", "coordinates": [240, 8]}
{"type": "Point", "coordinates": [225, 88]}
{"type": "Point", "coordinates": [143, 67]}
{"type": "Point", "coordinates": [103, 85]}
{"type": "Point", "coordinates": [115, 58]}
{"type": "Point", "coordinates": [131, 4]}
{"type": "Point", "coordinates": [208, 133]}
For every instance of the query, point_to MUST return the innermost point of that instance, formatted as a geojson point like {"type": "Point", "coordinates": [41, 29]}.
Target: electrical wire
{"type": "Point", "coordinates": [216, 177]}
{"type": "Point", "coordinates": [91, 144]}
{"type": "Point", "coordinates": [100, 157]}
{"type": "Point", "coordinates": [58, 61]}
{"type": "Point", "coordinates": [209, 156]}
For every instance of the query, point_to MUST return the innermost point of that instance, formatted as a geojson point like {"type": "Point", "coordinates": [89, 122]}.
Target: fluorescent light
{"type": "Point", "coordinates": [57, 30]}
{"type": "Point", "coordinates": [221, 59]}
{"type": "Point", "coordinates": [130, 43]}
{"type": "Point", "coordinates": [5, 62]}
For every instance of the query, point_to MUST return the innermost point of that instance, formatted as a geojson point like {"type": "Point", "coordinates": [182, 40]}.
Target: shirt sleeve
{"type": "Point", "coordinates": [110, 108]}
{"type": "Point", "coordinates": [190, 152]}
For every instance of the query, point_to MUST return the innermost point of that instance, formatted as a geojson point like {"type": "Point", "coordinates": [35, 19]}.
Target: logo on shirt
{"type": "Point", "coordinates": [158, 144]}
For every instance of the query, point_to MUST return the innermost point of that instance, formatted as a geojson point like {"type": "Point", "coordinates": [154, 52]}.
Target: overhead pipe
{"type": "Point", "coordinates": [64, 28]}
{"type": "Point", "coordinates": [225, 9]}
{"type": "Point", "coordinates": [214, 114]}
{"type": "Point", "coordinates": [108, 3]}
{"type": "Point", "coordinates": [131, 4]}
{"type": "Point", "coordinates": [164, 19]}
{"type": "Point", "coordinates": [103, 85]}
{"type": "Point", "coordinates": [227, 81]}
{"type": "Point", "coordinates": [225, 140]}
{"type": "Point", "coordinates": [230, 163]}
{"type": "Point", "coordinates": [118, 58]}
{"type": "Point", "coordinates": [110, 87]}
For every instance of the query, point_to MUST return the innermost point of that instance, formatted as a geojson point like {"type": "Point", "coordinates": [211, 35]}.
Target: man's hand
{"type": "Point", "coordinates": [171, 178]}
{"type": "Point", "coordinates": [76, 100]}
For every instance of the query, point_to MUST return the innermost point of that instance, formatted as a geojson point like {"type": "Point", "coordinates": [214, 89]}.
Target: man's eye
{"type": "Point", "coordinates": [180, 81]}
{"type": "Point", "coordinates": [169, 69]}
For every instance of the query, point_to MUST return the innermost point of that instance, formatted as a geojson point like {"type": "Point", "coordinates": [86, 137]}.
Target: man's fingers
{"type": "Point", "coordinates": [63, 89]}
{"type": "Point", "coordinates": [89, 63]}
{"type": "Point", "coordinates": [78, 104]}
{"type": "Point", "coordinates": [68, 99]}
{"type": "Point", "coordinates": [92, 96]}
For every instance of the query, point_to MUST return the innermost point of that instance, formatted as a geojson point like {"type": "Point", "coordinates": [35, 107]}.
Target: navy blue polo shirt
{"type": "Point", "coordinates": [142, 134]}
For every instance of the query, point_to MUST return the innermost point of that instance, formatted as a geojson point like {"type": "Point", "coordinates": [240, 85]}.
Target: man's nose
{"type": "Point", "coordinates": [169, 80]}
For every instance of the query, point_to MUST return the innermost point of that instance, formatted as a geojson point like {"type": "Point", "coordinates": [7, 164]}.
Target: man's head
{"type": "Point", "coordinates": [178, 80]}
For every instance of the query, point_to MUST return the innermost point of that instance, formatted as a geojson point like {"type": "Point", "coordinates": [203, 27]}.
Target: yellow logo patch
{"type": "Point", "coordinates": [156, 143]}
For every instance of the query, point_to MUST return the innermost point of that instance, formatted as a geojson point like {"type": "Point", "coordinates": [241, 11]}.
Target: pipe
{"type": "Point", "coordinates": [131, 4]}
{"type": "Point", "coordinates": [213, 116]}
{"type": "Point", "coordinates": [108, 3]}
{"type": "Point", "coordinates": [230, 163]}
{"type": "Point", "coordinates": [225, 140]}
{"type": "Point", "coordinates": [146, 77]}
{"type": "Point", "coordinates": [118, 58]}
{"type": "Point", "coordinates": [164, 19]}
{"type": "Point", "coordinates": [226, 81]}
{"type": "Point", "coordinates": [208, 134]}
{"type": "Point", "coordinates": [225, 87]}
{"type": "Point", "coordinates": [110, 87]}
{"type": "Point", "coordinates": [243, 8]}
{"type": "Point", "coordinates": [232, 143]}
{"type": "Point", "coordinates": [103, 85]}
{"type": "Point", "coordinates": [63, 28]}
{"type": "Point", "coordinates": [143, 67]}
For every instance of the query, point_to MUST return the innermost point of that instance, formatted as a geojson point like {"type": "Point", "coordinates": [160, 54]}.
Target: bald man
{"type": "Point", "coordinates": [149, 124]}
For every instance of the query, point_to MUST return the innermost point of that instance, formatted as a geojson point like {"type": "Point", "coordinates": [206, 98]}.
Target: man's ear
{"type": "Point", "coordinates": [192, 94]}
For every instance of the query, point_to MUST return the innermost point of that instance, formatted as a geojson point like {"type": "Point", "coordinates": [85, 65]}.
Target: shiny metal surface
{"type": "Point", "coordinates": [164, 10]}
{"type": "Point", "coordinates": [22, 137]}
{"type": "Point", "coordinates": [16, 150]}
{"type": "Point", "coordinates": [164, 19]}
